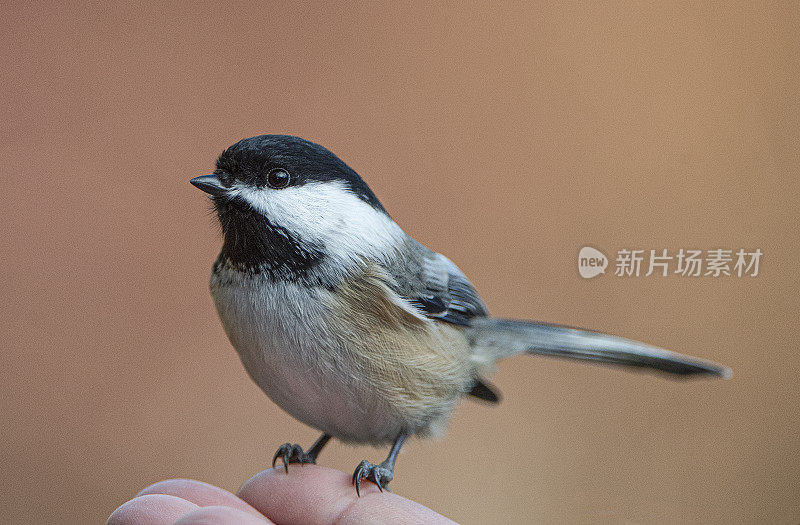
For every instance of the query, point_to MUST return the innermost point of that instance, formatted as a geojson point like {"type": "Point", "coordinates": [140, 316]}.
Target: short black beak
{"type": "Point", "coordinates": [209, 184]}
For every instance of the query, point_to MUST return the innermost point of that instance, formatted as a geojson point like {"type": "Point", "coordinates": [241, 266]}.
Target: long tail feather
{"type": "Point", "coordinates": [504, 338]}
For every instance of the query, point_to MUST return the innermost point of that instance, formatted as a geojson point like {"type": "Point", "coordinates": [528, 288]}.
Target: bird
{"type": "Point", "coordinates": [349, 324]}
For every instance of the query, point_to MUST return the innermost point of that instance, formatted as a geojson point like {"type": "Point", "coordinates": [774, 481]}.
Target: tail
{"type": "Point", "coordinates": [504, 338]}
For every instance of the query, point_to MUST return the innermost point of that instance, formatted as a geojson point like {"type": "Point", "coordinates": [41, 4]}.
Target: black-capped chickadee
{"type": "Point", "coordinates": [350, 325]}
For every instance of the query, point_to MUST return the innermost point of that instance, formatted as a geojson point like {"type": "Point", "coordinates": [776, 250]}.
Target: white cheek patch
{"type": "Point", "coordinates": [327, 215]}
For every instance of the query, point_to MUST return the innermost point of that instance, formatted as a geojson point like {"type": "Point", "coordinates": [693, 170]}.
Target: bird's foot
{"type": "Point", "coordinates": [290, 453]}
{"type": "Point", "coordinates": [381, 474]}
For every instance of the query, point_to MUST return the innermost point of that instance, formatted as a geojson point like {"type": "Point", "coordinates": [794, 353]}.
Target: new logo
{"type": "Point", "coordinates": [591, 262]}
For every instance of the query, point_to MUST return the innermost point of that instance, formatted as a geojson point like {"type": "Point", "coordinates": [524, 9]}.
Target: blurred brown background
{"type": "Point", "coordinates": [507, 137]}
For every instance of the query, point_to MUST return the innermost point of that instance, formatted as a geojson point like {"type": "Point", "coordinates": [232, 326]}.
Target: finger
{"type": "Point", "coordinates": [153, 509]}
{"type": "Point", "coordinates": [315, 495]}
{"type": "Point", "coordinates": [199, 493]}
{"type": "Point", "coordinates": [220, 515]}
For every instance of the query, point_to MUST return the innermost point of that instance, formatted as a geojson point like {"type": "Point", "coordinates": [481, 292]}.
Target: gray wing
{"type": "Point", "coordinates": [437, 288]}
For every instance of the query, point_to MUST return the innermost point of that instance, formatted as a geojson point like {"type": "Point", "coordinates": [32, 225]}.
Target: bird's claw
{"type": "Point", "coordinates": [290, 453]}
{"type": "Point", "coordinates": [381, 475]}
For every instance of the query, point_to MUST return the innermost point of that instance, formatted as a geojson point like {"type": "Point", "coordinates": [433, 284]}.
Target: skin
{"type": "Point", "coordinates": [311, 495]}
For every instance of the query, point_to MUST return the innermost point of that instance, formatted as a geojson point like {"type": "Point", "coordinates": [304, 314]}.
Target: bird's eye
{"type": "Point", "coordinates": [278, 178]}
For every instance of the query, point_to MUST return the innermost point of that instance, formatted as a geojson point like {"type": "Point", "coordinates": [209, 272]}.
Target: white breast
{"type": "Point", "coordinates": [280, 332]}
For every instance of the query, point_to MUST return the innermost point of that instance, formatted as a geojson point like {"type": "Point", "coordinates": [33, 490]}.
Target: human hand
{"type": "Point", "coordinates": [309, 494]}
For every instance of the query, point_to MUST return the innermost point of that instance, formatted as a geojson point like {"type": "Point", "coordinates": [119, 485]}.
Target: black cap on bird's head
{"type": "Point", "coordinates": [278, 162]}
